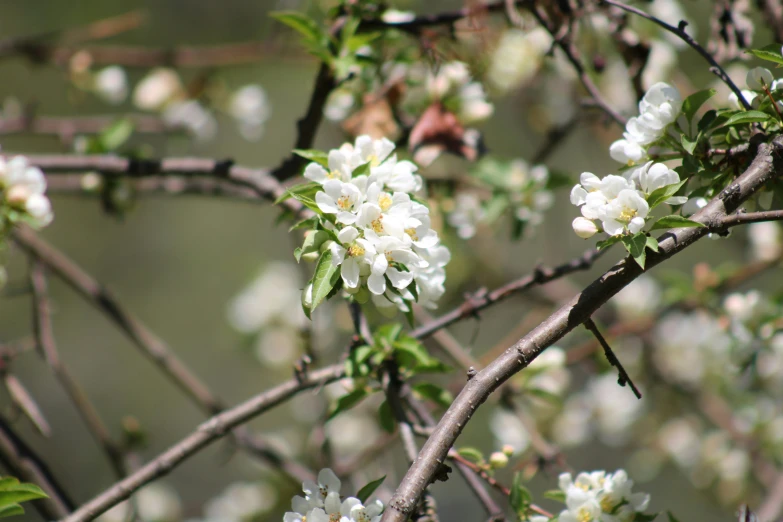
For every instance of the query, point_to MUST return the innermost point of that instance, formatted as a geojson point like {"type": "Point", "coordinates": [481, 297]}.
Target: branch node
{"type": "Point", "coordinates": [471, 372]}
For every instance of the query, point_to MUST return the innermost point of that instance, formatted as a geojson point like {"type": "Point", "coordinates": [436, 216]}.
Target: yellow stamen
{"type": "Point", "coordinates": [355, 250]}
{"type": "Point", "coordinates": [606, 504]}
{"type": "Point", "coordinates": [385, 202]}
{"type": "Point", "coordinates": [389, 257]}
{"type": "Point", "coordinates": [584, 515]}
{"type": "Point", "coordinates": [627, 214]}
{"type": "Point", "coordinates": [412, 233]}
{"type": "Point", "coordinates": [373, 160]}
{"type": "Point", "coordinates": [344, 202]}
{"type": "Point", "coordinates": [377, 226]}
{"type": "Point", "coordinates": [333, 174]}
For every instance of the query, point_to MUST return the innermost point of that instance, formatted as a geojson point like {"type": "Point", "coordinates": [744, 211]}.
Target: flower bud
{"type": "Point", "coordinates": [758, 78]}
{"type": "Point", "coordinates": [498, 459]}
{"type": "Point", "coordinates": [508, 449]}
{"type": "Point", "coordinates": [584, 228]}
{"type": "Point", "coordinates": [17, 195]}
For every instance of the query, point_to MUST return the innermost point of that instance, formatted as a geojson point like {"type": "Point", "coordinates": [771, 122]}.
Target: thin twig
{"type": "Point", "coordinates": [48, 350]}
{"type": "Point", "coordinates": [144, 339]}
{"type": "Point", "coordinates": [208, 432]}
{"type": "Point", "coordinates": [623, 378]}
{"type": "Point", "coordinates": [18, 458]}
{"type": "Point", "coordinates": [680, 32]}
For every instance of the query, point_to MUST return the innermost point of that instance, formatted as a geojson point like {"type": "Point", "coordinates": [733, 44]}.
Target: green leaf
{"type": "Point", "coordinates": [472, 454]}
{"type": "Point", "coordinates": [388, 332]}
{"type": "Point", "coordinates": [545, 395]}
{"type": "Point", "coordinates": [652, 243]}
{"type": "Point", "coordinates": [635, 245]}
{"type": "Point", "coordinates": [687, 144]}
{"type": "Point", "coordinates": [312, 243]}
{"type": "Point", "coordinates": [693, 102]}
{"type": "Point", "coordinates": [325, 277]}
{"type": "Point", "coordinates": [388, 422]}
{"type": "Point", "coordinates": [556, 495]}
{"type": "Point", "coordinates": [300, 23]}
{"type": "Point", "coordinates": [348, 401]}
{"type": "Point", "coordinates": [434, 392]}
{"type": "Point", "coordinates": [369, 489]}
{"type": "Point", "coordinates": [318, 156]}
{"type": "Point", "coordinates": [674, 221]}
{"type": "Point", "coordinates": [770, 53]}
{"type": "Point", "coordinates": [305, 223]}
{"type": "Point", "coordinates": [12, 492]}
{"type": "Point", "coordinates": [660, 195]}
{"type": "Point", "coordinates": [361, 170]}
{"type": "Point", "coordinates": [519, 496]}
{"type": "Point", "coordinates": [116, 134]}
{"type": "Point", "coordinates": [747, 117]}
{"type": "Point", "coordinates": [671, 517]}
{"type": "Point", "coordinates": [606, 243]}
{"type": "Point", "coordinates": [706, 120]}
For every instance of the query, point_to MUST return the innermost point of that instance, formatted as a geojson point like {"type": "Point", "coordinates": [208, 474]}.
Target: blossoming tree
{"type": "Point", "coordinates": [683, 370]}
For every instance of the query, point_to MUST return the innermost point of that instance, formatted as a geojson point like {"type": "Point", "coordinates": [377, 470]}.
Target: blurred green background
{"type": "Point", "coordinates": [176, 263]}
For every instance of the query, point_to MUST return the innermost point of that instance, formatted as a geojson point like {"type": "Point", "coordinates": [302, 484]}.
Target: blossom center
{"type": "Point", "coordinates": [412, 233]}
{"type": "Point", "coordinates": [606, 504]}
{"type": "Point", "coordinates": [373, 160]}
{"type": "Point", "coordinates": [355, 251]}
{"type": "Point", "coordinates": [333, 174]}
{"type": "Point", "coordinates": [344, 202]}
{"type": "Point", "coordinates": [385, 202]}
{"type": "Point", "coordinates": [584, 515]}
{"type": "Point", "coordinates": [627, 214]}
{"type": "Point", "coordinates": [376, 225]}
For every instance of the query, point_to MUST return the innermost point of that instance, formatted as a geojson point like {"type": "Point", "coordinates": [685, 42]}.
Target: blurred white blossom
{"type": "Point", "coordinates": [111, 84]}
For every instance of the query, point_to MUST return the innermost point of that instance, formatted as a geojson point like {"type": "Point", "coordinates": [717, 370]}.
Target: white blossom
{"type": "Point", "coordinates": [766, 240]}
{"type": "Point", "coordinates": [759, 78]}
{"type": "Point", "coordinates": [193, 116]}
{"type": "Point", "coordinates": [627, 152]}
{"type": "Point", "coordinates": [250, 107]}
{"type": "Point", "coordinates": [753, 99]}
{"type": "Point", "coordinates": [626, 211]}
{"type": "Point", "coordinates": [693, 205]}
{"type": "Point", "coordinates": [584, 228]}
{"type": "Point", "coordinates": [111, 84]}
{"type": "Point", "coordinates": [157, 89]}
{"type": "Point", "coordinates": [467, 214]}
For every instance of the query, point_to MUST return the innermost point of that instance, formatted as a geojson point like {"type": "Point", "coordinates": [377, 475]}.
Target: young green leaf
{"type": "Point", "coordinates": [519, 497]}
{"type": "Point", "coordinates": [606, 243]}
{"type": "Point", "coordinates": [652, 243]}
{"type": "Point", "coordinates": [434, 392]}
{"type": "Point", "coordinates": [325, 277]}
{"type": "Point", "coordinates": [318, 156]}
{"type": "Point", "coordinates": [687, 144]}
{"type": "Point", "coordinates": [674, 221]}
{"type": "Point", "coordinates": [312, 243]}
{"type": "Point", "coordinates": [636, 245]}
{"type": "Point", "coordinates": [660, 195]}
{"type": "Point", "coordinates": [771, 53]}
{"type": "Point", "coordinates": [556, 495]}
{"type": "Point", "coordinates": [472, 454]}
{"type": "Point", "coordinates": [369, 489]}
{"type": "Point", "coordinates": [694, 102]}
{"type": "Point", "coordinates": [747, 117]}
{"type": "Point", "coordinates": [116, 134]}
{"type": "Point", "coordinates": [348, 401]}
{"type": "Point", "coordinates": [12, 492]}
{"type": "Point", "coordinates": [361, 170]}
{"type": "Point", "coordinates": [387, 420]}
{"type": "Point", "coordinates": [300, 23]}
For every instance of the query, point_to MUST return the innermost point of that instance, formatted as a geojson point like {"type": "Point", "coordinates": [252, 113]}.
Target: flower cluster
{"type": "Point", "coordinates": [381, 238]}
{"type": "Point", "coordinates": [451, 85]}
{"type": "Point", "coordinates": [620, 202]}
{"type": "Point", "coordinates": [599, 496]}
{"type": "Point", "coordinates": [23, 190]}
{"type": "Point", "coordinates": [659, 108]}
{"type": "Point", "coordinates": [322, 503]}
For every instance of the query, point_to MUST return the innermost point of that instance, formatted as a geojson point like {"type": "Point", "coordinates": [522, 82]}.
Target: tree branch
{"type": "Point", "coordinates": [572, 314]}
{"type": "Point", "coordinates": [208, 432]}
{"type": "Point", "coordinates": [48, 349]}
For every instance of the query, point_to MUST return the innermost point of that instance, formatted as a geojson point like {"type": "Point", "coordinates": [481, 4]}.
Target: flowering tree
{"type": "Point", "coordinates": [685, 370]}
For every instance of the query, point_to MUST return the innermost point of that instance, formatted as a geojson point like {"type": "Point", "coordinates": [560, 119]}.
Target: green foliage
{"type": "Point", "coordinates": [348, 401]}
{"type": "Point", "coordinates": [747, 117]}
{"type": "Point", "coordinates": [434, 392]}
{"type": "Point", "coordinates": [674, 221]}
{"type": "Point", "coordinates": [312, 243]}
{"type": "Point", "coordinates": [367, 490]}
{"type": "Point", "coordinates": [660, 195]}
{"type": "Point", "coordinates": [770, 53]}
{"type": "Point", "coordinates": [636, 246]}
{"type": "Point", "coordinates": [556, 495]}
{"type": "Point", "coordinates": [386, 418]}
{"type": "Point", "coordinates": [314, 38]}
{"type": "Point", "coordinates": [520, 497]}
{"type": "Point", "coordinates": [694, 102]}
{"type": "Point", "coordinates": [606, 243]}
{"type": "Point", "coordinates": [325, 280]}
{"type": "Point", "coordinates": [471, 454]}
{"type": "Point", "coordinates": [318, 156]}
{"type": "Point", "coordinates": [12, 492]}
